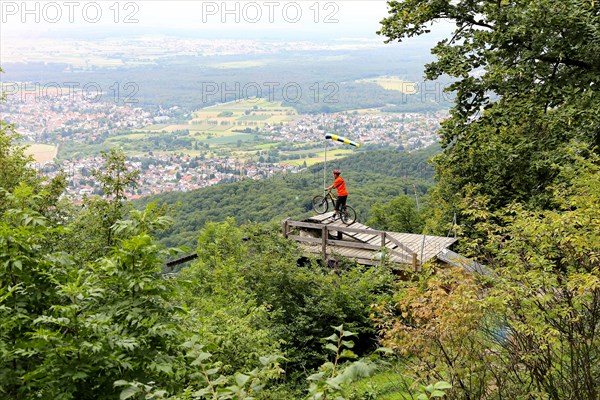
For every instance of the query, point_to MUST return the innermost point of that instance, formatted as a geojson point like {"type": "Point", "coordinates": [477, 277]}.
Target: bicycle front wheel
{"type": "Point", "coordinates": [320, 204]}
{"type": "Point", "coordinates": [348, 215]}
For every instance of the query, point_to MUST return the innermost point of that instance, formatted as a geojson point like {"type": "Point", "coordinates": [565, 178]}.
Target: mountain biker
{"type": "Point", "coordinates": [342, 194]}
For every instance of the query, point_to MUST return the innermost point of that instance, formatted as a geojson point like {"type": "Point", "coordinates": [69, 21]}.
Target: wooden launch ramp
{"type": "Point", "coordinates": [333, 240]}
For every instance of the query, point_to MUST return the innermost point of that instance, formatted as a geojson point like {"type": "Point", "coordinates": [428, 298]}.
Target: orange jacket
{"type": "Point", "coordinates": [340, 186]}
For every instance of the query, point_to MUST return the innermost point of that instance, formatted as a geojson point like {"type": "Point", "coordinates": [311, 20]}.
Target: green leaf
{"type": "Point", "coordinates": [347, 354]}
{"type": "Point", "coordinates": [333, 338]}
{"type": "Point", "coordinates": [316, 377]}
{"type": "Point", "coordinates": [129, 392]}
{"type": "Point", "coordinates": [442, 385]}
{"type": "Point", "coordinates": [201, 357]}
{"type": "Point", "coordinates": [241, 379]}
{"type": "Point", "coordinates": [332, 347]}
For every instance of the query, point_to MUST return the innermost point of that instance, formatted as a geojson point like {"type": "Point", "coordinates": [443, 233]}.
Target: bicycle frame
{"type": "Point", "coordinates": [331, 197]}
{"type": "Point", "coordinates": [321, 204]}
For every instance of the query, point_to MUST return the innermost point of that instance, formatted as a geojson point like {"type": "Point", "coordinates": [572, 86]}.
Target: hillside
{"type": "Point", "coordinates": [372, 176]}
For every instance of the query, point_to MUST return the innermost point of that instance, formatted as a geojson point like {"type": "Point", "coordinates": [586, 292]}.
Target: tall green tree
{"type": "Point", "coordinates": [531, 330]}
{"type": "Point", "coordinates": [92, 232]}
{"type": "Point", "coordinates": [70, 329]}
{"type": "Point", "coordinates": [398, 215]}
{"type": "Point", "coordinates": [526, 79]}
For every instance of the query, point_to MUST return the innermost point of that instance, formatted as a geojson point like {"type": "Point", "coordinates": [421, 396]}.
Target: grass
{"type": "Point", "coordinates": [156, 127]}
{"type": "Point", "coordinates": [205, 127]}
{"type": "Point", "coordinates": [259, 117]}
{"type": "Point", "coordinates": [394, 83]}
{"type": "Point", "coordinates": [230, 139]}
{"type": "Point", "coordinates": [42, 153]}
{"type": "Point", "coordinates": [130, 136]}
{"type": "Point", "coordinates": [318, 158]}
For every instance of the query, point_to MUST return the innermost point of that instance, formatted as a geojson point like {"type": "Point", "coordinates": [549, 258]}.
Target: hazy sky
{"type": "Point", "coordinates": [284, 19]}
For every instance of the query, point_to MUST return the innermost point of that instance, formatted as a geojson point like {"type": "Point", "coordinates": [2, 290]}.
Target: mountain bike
{"type": "Point", "coordinates": [321, 205]}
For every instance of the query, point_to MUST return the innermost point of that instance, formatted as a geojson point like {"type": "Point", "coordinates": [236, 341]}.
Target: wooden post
{"type": "Point", "coordinates": [415, 262]}
{"type": "Point", "coordinates": [324, 242]}
{"type": "Point", "coordinates": [382, 235]}
{"type": "Point", "coordinates": [286, 228]}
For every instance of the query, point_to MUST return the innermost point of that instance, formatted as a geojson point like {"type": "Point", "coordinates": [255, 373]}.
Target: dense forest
{"type": "Point", "coordinates": [328, 81]}
{"type": "Point", "coordinates": [86, 311]}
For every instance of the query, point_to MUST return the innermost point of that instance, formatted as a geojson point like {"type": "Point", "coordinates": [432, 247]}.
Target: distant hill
{"type": "Point", "coordinates": [372, 176]}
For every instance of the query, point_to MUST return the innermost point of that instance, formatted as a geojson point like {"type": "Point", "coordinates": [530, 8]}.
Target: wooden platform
{"type": "Point", "coordinates": [330, 239]}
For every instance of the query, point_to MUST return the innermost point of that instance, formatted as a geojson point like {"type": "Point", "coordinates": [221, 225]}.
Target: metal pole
{"type": "Point", "coordinates": [325, 166]}
{"type": "Point", "coordinates": [416, 197]}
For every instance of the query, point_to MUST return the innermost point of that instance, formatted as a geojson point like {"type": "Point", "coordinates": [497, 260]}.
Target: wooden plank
{"type": "Point", "coordinates": [350, 253]}
{"type": "Point", "coordinates": [300, 224]}
{"type": "Point", "coordinates": [377, 240]}
{"type": "Point", "coordinates": [321, 217]}
{"type": "Point", "coordinates": [403, 238]}
{"type": "Point", "coordinates": [351, 229]}
{"type": "Point", "coordinates": [355, 245]}
{"type": "Point", "coordinates": [341, 227]}
{"type": "Point", "coordinates": [360, 242]}
{"type": "Point", "coordinates": [306, 239]}
{"type": "Point", "coordinates": [400, 245]}
{"type": "Point", "coordinates": [366, 237]}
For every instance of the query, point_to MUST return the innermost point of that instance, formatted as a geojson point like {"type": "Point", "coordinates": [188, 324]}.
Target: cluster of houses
{"type": "Point", "coordinates": [409, 130]}
{"type": "Point", "coordinates": [163, 173]}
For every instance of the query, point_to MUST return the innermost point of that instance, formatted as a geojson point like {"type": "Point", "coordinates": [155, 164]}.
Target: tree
{"type": "Point", "coordinates": [92, 227]}
{"type": "Point", "coordinates": [531, 329]}
{"type": "Point", "coordinates": [114, 176]}
{"type": "Point", "coordinates": [435, 327]}
{"type": "Point", "coordinates": [399, 215]}
{"type": "Point", "coordinates": [258, 283]}
{"type": "Point", "coordinates": [13, 161]}
{"type": "Point", "coordinates": [70, 330]}
{"type": "Point", "coordinates": [526, 83]}
{"type": "Point", "coordinates": [548, 291]}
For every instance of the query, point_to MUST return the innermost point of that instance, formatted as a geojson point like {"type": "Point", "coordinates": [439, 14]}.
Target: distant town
{"type": "Point", "coordinates": [65, 118]}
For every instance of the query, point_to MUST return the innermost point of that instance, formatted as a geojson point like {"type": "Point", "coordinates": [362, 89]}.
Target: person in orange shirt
{"type": "Point", "coordinates": [342, 194]}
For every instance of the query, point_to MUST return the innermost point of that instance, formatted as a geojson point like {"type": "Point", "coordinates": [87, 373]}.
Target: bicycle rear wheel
{"type": "Point", "coordinates": [320, 204]}
{"type": "Point", "coordinates": [348, 215]}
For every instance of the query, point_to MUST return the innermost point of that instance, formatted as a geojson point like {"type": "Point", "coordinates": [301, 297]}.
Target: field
{"type": "Point", "coordinates": [394, 83]}
{"type": "Point", "coordinates": [226, 118]}
{"type": "Point", "coordinates": [42, 153]}
{"type": "Point", "coordinates": [229, 130]}
{"type": "Point", "coordinates": [317, 157]}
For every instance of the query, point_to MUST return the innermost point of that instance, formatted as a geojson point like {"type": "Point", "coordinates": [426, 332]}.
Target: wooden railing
{"type": "Point", "coordinates": [324, 240]}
